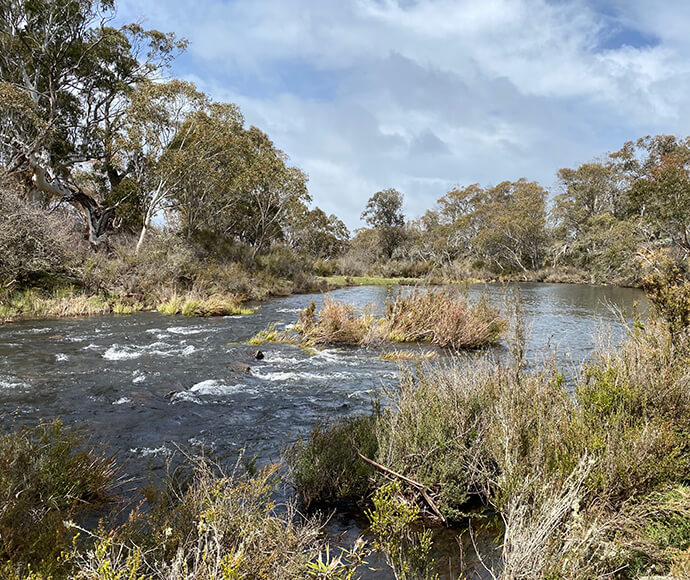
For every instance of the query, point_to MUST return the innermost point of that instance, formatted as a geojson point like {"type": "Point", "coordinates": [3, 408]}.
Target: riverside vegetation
{"type": "Point", "coordinates": [588, 484]}
{"type": "Point", "coordinates": [577, 484]}
{"type": "Point", "coordinates": [122, 189]}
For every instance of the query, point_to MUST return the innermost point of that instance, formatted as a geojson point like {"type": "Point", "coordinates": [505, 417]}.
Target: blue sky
{"type": "Point", "coordinates": [423, 95]}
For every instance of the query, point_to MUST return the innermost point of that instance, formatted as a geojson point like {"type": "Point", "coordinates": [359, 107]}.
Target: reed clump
{"type": "Point", "coordinates": [195, 304]}
{"type": "Point", "coordinates": [209, 524]}
{"type": "Point", "coordinates": [443, 318]}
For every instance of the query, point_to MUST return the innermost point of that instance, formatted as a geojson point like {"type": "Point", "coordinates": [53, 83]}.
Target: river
{"type": "Point", "coordinates": [145, 383]}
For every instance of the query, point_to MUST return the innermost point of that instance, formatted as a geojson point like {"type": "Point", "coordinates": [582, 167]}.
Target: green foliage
{"type": "Point", "coordinates": [668, 289]}
{"type": "Point", "coordinates": [586, 483]}
{"type": "Point", "coordinates": [407, 551]}
{"type": "Point", "coordinates": [327, 468]}
{"type": "Point", "coordinates": [384, 213]}
{"type": "Point", "coordinates": [47, 476]}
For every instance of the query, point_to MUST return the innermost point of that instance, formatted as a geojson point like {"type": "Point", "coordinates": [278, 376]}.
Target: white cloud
{"type": "Point", "coordinates": [420, 95]}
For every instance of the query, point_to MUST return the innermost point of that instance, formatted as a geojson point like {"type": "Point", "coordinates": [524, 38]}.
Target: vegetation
{"type": "Point", "coordinates": [586, 485]}
{"type": "Point", "coordinates": [440, 317]}
{"type": "Point", "coordinates": [47, 477]}
{"type": "Point", "coordinates": [200, 523]}
{"type": "Point", "coordinates": [123, 191]}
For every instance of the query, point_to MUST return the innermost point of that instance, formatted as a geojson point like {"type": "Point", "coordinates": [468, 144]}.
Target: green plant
{"type": "Point", "coordinates": [47, 476]}
{"type": "Point", "coordinates": [407, 551]}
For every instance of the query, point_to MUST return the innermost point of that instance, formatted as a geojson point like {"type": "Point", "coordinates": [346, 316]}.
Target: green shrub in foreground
{"type": "Point", "coordinates": [47, 476]}
{"type": "Point", "coordinates": [568, 474]}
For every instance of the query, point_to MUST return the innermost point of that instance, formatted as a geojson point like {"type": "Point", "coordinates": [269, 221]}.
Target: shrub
{"type": "Point", "coordinates": [573, 477]}
{"type": "Point", "coordinates": [209, 524]}
{"type": "Point", "coordinates": [28, 244]}
{"type": "Point", "coordinates": [327, 467]}
{"type": "Point", "coordinates": [47, 476]}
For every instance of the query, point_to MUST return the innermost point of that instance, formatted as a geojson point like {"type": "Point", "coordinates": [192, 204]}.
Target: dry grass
{"type": "Point", "coordinates": [336, 323]}
{"type": "Point", "coordinates": [218, 525]}
{"type": "Point", "coordinates": [194, 304]}
{"type": "Point", "coordinates": [441, 317]}
{"type": "Point", "coordinates": [410, 355]}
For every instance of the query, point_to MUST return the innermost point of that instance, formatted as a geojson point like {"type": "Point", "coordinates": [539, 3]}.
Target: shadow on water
{"type": "Point", "coordinates": [144, 383]}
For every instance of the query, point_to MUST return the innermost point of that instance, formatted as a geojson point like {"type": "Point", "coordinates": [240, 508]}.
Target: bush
{"type": "Point", "coordinates": [47, 476]}
{"type": "Point", "coordinates": [327, 468]}
{"type": "Point", "coordinates": [207, 524]}
{"type": "Point", "coordinates": [28, 244]}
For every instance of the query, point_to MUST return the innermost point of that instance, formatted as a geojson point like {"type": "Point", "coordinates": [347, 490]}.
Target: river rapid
{"type": "Point", "coordinates": [146, 383]}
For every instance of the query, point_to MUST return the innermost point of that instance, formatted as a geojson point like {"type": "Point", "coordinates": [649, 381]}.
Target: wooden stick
{"type": "Point", "coordinates": [419, 486]}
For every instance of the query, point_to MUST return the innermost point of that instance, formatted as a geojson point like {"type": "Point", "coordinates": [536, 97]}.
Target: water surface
{"type": "Point", "coordinates": [146, 381]}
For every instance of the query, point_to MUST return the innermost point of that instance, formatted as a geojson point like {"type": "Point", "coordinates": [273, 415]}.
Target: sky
{"type": "Point", "coordinates": [424, 95]}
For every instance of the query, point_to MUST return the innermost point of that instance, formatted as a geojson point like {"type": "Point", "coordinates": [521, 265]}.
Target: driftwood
{"type": "Point", "coordinates": [421, 488]}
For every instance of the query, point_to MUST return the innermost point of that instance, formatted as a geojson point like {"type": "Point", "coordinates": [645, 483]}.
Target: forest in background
{"type": "Point", "coordinates": [119, 182]}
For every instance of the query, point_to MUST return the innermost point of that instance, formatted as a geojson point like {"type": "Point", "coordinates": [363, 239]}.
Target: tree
{"type": "Point", "coordinates": [383, 212]}
{"type": "Point", "coordinates": [317, 234]}
{"type": "Point", "coordinates": [154, 131]}
{"type": "Point", "coordinates": [232, 181]}
{"type": "Point", "coordinates": [659, 193]}
{"type": "Point", "coordinates": [511, 225]}
{"type": "Point", "coordinates": [72, 75]}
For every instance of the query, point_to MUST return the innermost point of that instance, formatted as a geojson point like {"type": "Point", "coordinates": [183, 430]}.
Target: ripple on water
{"type": "Point", "coordinates": [301, 376]}
{"type": "Point", "coordinates": [147, 451]}
{"type": "Point", "coordinates": [118, 352]}
{"type": "Point", "coordinates": [186, 330]}
{"type": "Point", "coordinates": [214, 387]}
{"type": "Point", "coordinates": [8, 382]}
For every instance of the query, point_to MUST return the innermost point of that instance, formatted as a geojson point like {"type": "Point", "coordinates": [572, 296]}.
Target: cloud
{"type": "Point", "coordinates": [421, 95]}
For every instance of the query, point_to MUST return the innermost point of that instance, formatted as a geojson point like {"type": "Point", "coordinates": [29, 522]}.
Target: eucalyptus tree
{"type": "Point", "coordinates": [317, 234]}
{"type": "Point", "coordinates": [383, 213]}
{"type": "Point", "coordinates": [511, 225]}
{"type": "Point", "coordinates": [157, 127]}
{"type": "Point", "coordinates": [658, 197]}
{"type": "Point", "coordinates": [232, 181]}
{"type": "Point", "coordinates": [67, 76]}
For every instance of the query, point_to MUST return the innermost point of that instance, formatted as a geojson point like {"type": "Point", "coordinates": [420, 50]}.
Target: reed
{"type": "Point", "coordinates": [443, 318]}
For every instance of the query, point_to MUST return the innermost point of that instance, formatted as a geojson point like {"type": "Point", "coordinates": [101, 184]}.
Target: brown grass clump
{"type": "Point", "coordinates": [336, 323]}
{"type": "Point", "coordinates": [443, 318]}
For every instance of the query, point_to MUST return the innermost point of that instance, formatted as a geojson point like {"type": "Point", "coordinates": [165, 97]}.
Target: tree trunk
{"type": "Point", "coordinates": [97, 217]}
{"type": "Point", "coordinates": [142, 235]}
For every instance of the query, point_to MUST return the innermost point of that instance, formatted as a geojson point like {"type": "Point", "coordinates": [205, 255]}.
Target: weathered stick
{"type": "Point", "coordinates": [412, 482]}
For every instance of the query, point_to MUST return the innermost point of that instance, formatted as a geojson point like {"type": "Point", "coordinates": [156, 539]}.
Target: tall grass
{"type": "Point", "coordinates": [569, 475]}
{"type": "Point", "coordinates": [443, 318]}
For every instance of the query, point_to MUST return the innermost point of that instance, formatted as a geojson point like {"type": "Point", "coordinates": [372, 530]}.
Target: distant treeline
{"type": "Point", "coordinates": [605, 219]}
{"type": "Point", "coordinates": [98, 150]}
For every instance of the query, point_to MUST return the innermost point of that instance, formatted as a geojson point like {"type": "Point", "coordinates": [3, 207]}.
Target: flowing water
{"type": "Point", "coordinates": [144, 383]}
